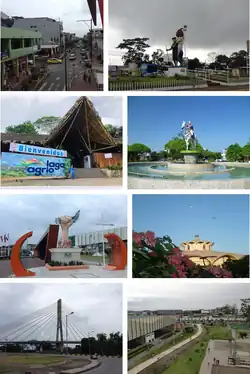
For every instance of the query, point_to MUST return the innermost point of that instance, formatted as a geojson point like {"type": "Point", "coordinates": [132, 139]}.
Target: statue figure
{"type": "Point", "coordinates": [189, 135]}
{"type": "Point", "coordinates": [180, 38]}
{"type": "Point", "coordinates": [66, 222]}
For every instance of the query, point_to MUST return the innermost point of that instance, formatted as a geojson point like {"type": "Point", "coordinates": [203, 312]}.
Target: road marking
{"type": "Point", "coordinates": [50, 87]}
{"type": "Point", "coordinates": [58, 78]}
{"type": "Point", "coordinates": [42, 86]}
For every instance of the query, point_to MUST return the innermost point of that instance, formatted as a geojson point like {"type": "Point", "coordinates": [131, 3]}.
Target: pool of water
{"type": "Point", "coordinates": [221, 172]}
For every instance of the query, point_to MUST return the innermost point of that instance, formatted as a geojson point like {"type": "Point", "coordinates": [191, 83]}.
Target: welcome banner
{"type": "Point", "coordinates": [32, 149]}
{"type": "Point", "coordinates": [15, 165]}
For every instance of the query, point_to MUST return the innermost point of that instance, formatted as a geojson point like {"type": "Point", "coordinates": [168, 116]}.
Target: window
{"type": "Point", "coordinates": [16, 43]}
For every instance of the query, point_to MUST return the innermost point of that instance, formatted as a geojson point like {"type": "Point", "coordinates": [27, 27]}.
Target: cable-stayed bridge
{"type": "Point", "coordinates": [55, 324]}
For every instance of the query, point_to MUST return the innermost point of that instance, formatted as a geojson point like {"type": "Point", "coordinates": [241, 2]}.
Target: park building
{"type": "Point", "coordinates": [18, 49]}
{"type": "Point", "coordinates": [92, 242]}
{"type": "Point", "coordinates": [201, 253]}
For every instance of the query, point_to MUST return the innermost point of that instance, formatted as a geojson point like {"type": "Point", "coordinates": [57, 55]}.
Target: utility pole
{"type": "Point", "coordinates": [65, 65]}
{"type": "Point", "coordinates": [91, 36]}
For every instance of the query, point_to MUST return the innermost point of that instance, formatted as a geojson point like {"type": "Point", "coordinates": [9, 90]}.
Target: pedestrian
{"type": "Point", "coordinates": [72, 172]}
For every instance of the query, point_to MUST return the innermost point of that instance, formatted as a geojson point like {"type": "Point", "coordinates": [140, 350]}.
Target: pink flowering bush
{"type": "Point", "coordinates": [159, 258]}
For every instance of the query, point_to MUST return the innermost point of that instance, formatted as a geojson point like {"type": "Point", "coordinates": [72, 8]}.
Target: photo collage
{"type": "Point", "coordinates": [125, 166]}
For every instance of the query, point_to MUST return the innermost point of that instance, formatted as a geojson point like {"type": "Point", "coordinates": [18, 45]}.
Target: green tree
{"type": "Point", "coordinates": [239, 268]}
{"type": "Point", "coordinates": [246, 151]}
{"type": "Point", "coordinates": [245, 309]}
{"type": "Point", "coordinates": [234, 153]}
{"type": "Point", "coordinates": [136, 150]}
{"type": "Point", "coordinates": [46, 124]}
{"type": "Point", "coordinates": [135, 47]}
{"type": "Point", "coordinates": [24, 128]}
{"type": "Point", "coordinates": [174, 147]}
{"type": "Point", "coordinates": [111, 130]}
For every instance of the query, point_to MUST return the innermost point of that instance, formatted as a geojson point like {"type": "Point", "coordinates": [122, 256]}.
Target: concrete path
{"type": "Point", "coordinates": [154, 359]}
{"type": "Point", "coordinates": [82, 182]}
{"type": "Point", "coordinates": [92, 272]}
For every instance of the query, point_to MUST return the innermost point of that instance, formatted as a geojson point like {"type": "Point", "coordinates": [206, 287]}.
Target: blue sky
{"type": "Point", "coordinates": [218, 120]}
{"type": "Point", "coordinates": [223, 219]}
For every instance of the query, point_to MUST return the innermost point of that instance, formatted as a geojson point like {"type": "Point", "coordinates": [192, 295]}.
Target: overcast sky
{"type": "Point", "coordinates": [22, 213]}
{"type": "Point", "coordinates": [36, 106]}
{"type": "Point", "coordinates": [96, 307]}
{"type": "Point", "coordinates": [65, 10]}
{"type": "Point", "coordinates": [178, 294]}
{"type": "Point", "coordinates": [220, 26]}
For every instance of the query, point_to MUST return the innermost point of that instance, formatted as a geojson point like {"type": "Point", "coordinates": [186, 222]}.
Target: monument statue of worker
{"type": "Point", "coordinates": [189, 135]}
{"type": "Point", "coordinates": [66, 222]}
{"type": "Point", "coordinates": [178, 45]}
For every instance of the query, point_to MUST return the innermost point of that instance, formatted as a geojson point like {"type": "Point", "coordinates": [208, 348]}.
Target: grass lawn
{"type": "Point", "coordinates": [91, 258]}
{"type": "Point", "coordinates": [164, 347]}
{"type": "Point", "coordinates": [190, 361]}
{"type": "Point", "coordinates": [30, 360]}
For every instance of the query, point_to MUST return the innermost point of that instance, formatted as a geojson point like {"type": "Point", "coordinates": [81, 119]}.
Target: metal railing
{"type": "Point", "coordinates": [156, 84]}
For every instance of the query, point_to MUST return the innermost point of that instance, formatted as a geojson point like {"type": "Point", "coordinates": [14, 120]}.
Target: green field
{"type": "Point", "coordinates": [190, 361]}
{"type": "Point", "coordinates": [164, 347]}
{"type": "Point", "coordinates": [92, 258]}
{"type": "Point", "coordinates": [25, 361]}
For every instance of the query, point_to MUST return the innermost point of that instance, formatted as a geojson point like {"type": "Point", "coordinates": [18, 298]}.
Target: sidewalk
{"type": "Point", "coordinates": [78, 84]}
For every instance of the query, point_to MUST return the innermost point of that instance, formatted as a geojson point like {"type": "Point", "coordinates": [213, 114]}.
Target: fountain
{"type": "Point", "coordinates": [192, 166]}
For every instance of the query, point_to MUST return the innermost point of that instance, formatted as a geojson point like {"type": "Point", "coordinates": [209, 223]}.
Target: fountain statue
{"type": "Point", "coordinates": [66, 222]}
{"type": "Point", "coordinates": [189, 135]}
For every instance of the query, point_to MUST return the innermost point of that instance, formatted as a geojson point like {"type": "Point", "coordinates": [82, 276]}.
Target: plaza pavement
{"type": "Point", "coordinates": [137, 369]}
{"type": "Point", "coordinates": [92, 272]}
{"type": "Point", "coordinates": [150, 183]}
{"type": "Point", "coordinates": [82, 182]}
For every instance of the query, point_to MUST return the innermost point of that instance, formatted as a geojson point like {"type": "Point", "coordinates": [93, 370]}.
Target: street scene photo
{"type": "Point", "coordinates": [186, 45]}
{"type": "Point", "coordinates": [49, 329]}
{"type": "Point", "coordinates": [188, 142]}
{"type": "Point", "coordinates": [52, 45]}
{"type": "Point", "coordinates": [63, 236]}
{"type": "Point", "coordinates": [188, 328]}
{"type": "Point", "coordinates": [191, 236]}
{"type": "Point", "coordinates": [61, 140]}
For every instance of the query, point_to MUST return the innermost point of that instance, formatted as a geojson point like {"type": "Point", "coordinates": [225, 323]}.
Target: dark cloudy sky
{"type": "Point", "coordinates": [96, 307]}
{"type": "Point", "coordinates": [220, 26]}
{"type": "Point", "coordinates": [22, 213]}
{"type": "Point", "coordinates": [37, 106]}
{"type": "Point", "coordinates": [185, 294]}
{"type": "Point", "coordinates": [65, 10]}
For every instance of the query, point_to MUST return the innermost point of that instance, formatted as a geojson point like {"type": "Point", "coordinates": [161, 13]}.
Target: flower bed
{"type": "Point", "coordinates": [160, 258]}
{"type": "Point", "coordinates": [72, 265]}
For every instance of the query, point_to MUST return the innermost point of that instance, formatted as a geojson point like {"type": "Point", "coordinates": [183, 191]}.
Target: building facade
{"type": "Point", "coordinates": [18, 47]}
{"type": "Point", "coordinates": [201, 252]}
{"type": "Point", "coordinates": [92, 242]}
{"type": "Point", "coordinates": [50, 29]}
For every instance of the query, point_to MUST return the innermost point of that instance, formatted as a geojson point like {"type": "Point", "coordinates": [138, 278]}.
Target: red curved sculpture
{"type": "Point", "coordinates": [15, 260]}
{"type": "Point", "coordinates": [118, 252]}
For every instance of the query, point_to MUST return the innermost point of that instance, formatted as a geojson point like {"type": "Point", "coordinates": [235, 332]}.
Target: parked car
{"type": "Point", "coordinates": [93, 357]}
{"type": "Point", "coordinates": [54, 61]}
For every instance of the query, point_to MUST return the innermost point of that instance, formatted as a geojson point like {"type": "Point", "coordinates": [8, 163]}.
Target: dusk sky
{"type": "Point", "coordinates": [219, 121]}
{"type": "Point", "coordinates": [222, 219]}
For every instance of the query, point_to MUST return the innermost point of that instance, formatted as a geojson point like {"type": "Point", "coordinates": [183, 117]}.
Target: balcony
{"type": "Point", "coordinates": [20, 52]}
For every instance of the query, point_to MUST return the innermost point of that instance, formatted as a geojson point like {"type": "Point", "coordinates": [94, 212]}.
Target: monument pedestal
{"type": "Point", "coordinates": [191, 157]}
{"type": "Point", "coordinates": [66, 255]}
{"type": "Point", "coordinates": [179, 70]}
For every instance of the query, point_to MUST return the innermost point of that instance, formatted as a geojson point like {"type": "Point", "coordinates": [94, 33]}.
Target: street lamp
{"type": "Point", "coordinates": [103, 244]}
{"type": "Point", "coordinates": [67, 344]}
{"type": "Point", "coordinates": [91, 332]}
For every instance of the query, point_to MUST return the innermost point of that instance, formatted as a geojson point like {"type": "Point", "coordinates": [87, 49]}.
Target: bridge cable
{"type": "Point", "coordinates": [75, 329]}
{"type": "Point", "coordinates": [81, 334]}
{"type": "Point", "coordinates": [33, 324]}
{"type": "Point", "coordinates": [42, 323]}
{"type": "Point", "coordinates": [13, 331]}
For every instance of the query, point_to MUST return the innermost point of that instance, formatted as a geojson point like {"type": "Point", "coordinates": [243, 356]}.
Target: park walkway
{"type": "Point", "coordinates": [137, 369]}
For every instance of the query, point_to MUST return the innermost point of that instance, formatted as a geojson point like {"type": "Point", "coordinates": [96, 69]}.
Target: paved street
{"type": "Point", "coordinates": [55, 81]}
{"type": "Point", "coordinates": [109, 366]}
{"type": "Point", "coordinates": [6, 271]}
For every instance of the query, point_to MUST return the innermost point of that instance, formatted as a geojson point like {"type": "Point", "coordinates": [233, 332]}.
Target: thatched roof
{"type": "Point", "coordinates": [10, 137]}
{"type": "Point", "coordinates": [81, 129]}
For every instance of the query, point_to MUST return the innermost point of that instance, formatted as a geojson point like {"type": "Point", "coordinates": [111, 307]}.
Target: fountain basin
{"type": "Point", "coordinates": [203, 167]}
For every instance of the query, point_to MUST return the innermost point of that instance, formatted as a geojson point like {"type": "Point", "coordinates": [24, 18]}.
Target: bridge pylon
{"type": "Point", "coordinates": [59, 329]}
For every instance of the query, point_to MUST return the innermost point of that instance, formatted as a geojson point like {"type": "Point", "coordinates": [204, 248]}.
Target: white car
{"type": "Point", "coordinates": [72, 57]}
